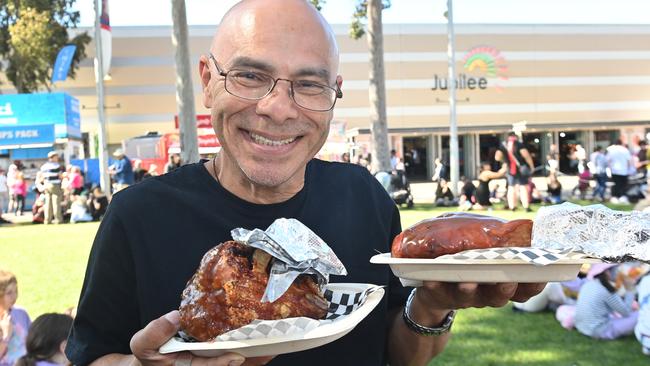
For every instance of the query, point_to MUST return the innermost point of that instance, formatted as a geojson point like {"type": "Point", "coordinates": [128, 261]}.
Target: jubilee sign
{"type": "Point", "coordinates": [483, 65]}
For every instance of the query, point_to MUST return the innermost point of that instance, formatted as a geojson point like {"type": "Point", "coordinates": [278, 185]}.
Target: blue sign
{"type": "Point", "coordinates": [90, 167]}
{"type": "Point", "coordinates": [58, 109]}
{"type": "Point", "coordinates": [12, 136]}
{"type": "Point", "coordinates": [63, 62]}
{"type": "Point", "coordinates": [72, 116]}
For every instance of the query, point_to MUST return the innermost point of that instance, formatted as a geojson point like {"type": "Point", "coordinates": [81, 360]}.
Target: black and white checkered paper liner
{"type": "Point", "coordinates": [536, 256]}
{"type": "Point", "coordinates": [342, 303]}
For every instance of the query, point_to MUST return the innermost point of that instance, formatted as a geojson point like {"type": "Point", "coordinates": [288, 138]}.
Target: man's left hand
{"type": "Point", "coordinates": [434, 300]}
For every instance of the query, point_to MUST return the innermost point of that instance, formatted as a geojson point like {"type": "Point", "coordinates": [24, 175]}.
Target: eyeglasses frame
{"type": "Point", "coordinates": [339, 93]}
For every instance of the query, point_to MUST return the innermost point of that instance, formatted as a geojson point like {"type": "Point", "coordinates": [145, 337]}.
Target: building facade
{"type": "Point", "coordinates": [555, 84]}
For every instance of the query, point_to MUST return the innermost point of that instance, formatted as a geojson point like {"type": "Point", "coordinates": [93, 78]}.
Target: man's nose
{"type": "Point", "coordinates": [278, 105]}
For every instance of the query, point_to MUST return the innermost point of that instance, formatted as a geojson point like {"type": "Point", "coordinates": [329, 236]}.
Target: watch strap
{"type": "Point", "coordinates": [421, 329]}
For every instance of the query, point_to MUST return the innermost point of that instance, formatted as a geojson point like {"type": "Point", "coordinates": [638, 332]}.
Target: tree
{"type": "Point", "coordinates": [31, 34]}
{"type": "Point", "coordinates": [184, 85]}
{"type": "Point", "coordinates": [377, 89]}
{"type": "Point", "coordinates": [318, 4]}
{"type": "Point", "coordinates": [371, 10]}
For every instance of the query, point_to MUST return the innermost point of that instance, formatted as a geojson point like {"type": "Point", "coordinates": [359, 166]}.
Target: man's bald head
{"type": "Point", "coordinates": [268, 140]}
{"type": "Point", "coordinates": [279, 19]}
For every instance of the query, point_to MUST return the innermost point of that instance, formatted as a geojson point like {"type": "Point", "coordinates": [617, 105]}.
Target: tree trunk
{"type": "Point", "coordinates": [184, 85]}
{"type": "Point", "coordinates": [377, 90]}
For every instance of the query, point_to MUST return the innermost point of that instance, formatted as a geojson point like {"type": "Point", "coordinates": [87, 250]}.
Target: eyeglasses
{"type": "Point", "coordinates": [253, 85]}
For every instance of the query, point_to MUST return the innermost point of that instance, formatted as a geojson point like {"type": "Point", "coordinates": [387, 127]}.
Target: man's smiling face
{"type": "Point", "coordinates": [272, 139]}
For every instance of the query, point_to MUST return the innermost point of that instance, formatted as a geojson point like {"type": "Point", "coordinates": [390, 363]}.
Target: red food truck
{"type": "Point", "coordinates": [153, 149]}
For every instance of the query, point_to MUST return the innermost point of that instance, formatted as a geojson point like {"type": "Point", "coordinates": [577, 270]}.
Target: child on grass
{"type": "Point", "coordinates": [46, 341]}
{"type": "Point", "coordinates": [14, 321]}
{"type": "Point", "coordinates": [600, 312]}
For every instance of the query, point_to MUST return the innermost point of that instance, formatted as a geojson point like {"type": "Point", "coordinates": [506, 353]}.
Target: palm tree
{"type": "Point", "coordinates": [377, 89]}
{"type": "Point", "coordinates": [371, 10]}
{"type": "Point", "coordinates": [184, 85]}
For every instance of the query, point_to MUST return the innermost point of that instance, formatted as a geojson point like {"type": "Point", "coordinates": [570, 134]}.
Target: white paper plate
{"type": "Point", "coordinates": [274, 346]}
{"type": "Point", "coordinates": [412, 271]}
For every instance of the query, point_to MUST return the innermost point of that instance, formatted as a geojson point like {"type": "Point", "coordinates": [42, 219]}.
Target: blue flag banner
{"type": "Point", "coordinates": [63, 62]}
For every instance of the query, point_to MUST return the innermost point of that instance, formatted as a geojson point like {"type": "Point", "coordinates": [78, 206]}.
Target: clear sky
{"type": "Point", "coordinates": [158, 12]}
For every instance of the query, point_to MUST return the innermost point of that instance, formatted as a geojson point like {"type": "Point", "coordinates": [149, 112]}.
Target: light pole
{"type": "Point", "coordinates": [451, 88]}
{"type": "Point", "coordinates": [104, 178]}
{"type": "Point", "coordinates": [184, 85]}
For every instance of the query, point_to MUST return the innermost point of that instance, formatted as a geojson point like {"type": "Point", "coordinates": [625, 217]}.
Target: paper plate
{"type": "Point", "coordinates": [319, 336]}
{"type": "Point", "coordinates": [412, 271]}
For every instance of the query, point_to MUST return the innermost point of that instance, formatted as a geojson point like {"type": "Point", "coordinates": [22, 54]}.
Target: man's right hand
{"type": "Point", "coordinates": [146, 342]}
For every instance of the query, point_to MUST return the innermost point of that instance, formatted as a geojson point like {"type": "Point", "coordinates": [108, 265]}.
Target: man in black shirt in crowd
{"type": "Point", "coordinates": [270, 80]}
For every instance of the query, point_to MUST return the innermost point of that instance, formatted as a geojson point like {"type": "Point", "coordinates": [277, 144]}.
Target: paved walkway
{"type": "Point", "coordinates": [23, 219]}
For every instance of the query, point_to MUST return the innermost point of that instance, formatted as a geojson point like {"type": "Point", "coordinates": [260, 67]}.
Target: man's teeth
{"type": "Point", "coordinates": [264, 141]}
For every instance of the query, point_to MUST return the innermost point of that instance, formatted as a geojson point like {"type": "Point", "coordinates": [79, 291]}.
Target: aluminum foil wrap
{"type": "Point", "coordinates": [595, 230]}
{"type": "Point", "coordinates": [296, 250]}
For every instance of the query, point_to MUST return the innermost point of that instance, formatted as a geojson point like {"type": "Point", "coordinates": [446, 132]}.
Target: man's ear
{"type": "Point", "coordinates": [206, 76]}
{"type": "Point", "coordinates": [339, 81]}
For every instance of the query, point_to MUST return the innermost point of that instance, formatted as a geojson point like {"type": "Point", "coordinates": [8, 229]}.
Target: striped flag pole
{"type": "Point", "coordinates": [107, 38]}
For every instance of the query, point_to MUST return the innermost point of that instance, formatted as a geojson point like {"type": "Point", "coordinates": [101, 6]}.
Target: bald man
{"type": "Point", "coordinates": [271, 81]}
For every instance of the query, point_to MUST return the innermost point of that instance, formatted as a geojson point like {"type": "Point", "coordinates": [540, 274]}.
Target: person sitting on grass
{"type": "Point", "coordinates": [46, 341]}
{"type": "Point", "coordinates": [467, 194]}
{"type": "Point", "coordinates": [642, 328]}
{"type": "Point", "coordinates": [79, 210]}
{"type": "Point", "coordinates": [14, 321]}
{"type": "Point", "coordinates": [444, 196]}
{"type": "Point", "coordinates": [598, 303]}
{"type": "Point", "coordinates": [495, 195]}
{"type": "Point", "coordinates": [556, 296]}
{"type": "Point", "coordinates": [485, 198]}
{"type": "Point", "coordinates": [551, 298]}
{"type": "Point", "coordinates": [554, 190]}
{"type": "Point", "coordinates": [97, 203]}
{"type": "Point", "coordinates": [533, 193]}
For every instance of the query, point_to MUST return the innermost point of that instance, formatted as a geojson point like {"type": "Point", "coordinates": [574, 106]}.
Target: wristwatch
{"type": "Point", "coordinates": [421, 329]}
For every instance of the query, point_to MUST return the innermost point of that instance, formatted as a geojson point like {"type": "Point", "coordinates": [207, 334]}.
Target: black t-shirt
{"type": "Point", "coordinates": [555, 190]}
{"type": "Point", "coordinates": [519, 159]}
{"type": "Point", "coordinates": [100, 210]}
{"type": "Point", "coordinates": [469, 189]}
{"type": "Point", "coordinates": [155, 233]}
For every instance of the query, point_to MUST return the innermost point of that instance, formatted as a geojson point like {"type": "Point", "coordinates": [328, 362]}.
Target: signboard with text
{"type": "Point", "coordinates": [16, 136]}
{"type": "Point", "coordinates": [57, 109]}
{"type": "Point", "coordinates": [204, 131]}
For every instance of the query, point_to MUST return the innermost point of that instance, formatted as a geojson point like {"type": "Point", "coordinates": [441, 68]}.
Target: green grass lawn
{"type": "Point", "coordinates": [50, 261]}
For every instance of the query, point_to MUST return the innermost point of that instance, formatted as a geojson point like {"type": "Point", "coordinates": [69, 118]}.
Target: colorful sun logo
{"type": "Point", "coordinates": [489, 61]}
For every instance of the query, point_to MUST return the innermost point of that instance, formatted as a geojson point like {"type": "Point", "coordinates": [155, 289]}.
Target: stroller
{"type": "Point", "coordinates": [397, 186]}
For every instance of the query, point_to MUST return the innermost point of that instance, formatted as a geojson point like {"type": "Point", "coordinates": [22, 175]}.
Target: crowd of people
{"type": "Point", "coordinates": [26, 343]}
{"type": "Point", "coordinates": [271, 114]}
{"type": "Point", "coordinates": [61, 194]}
{"type": "Point", "coordinates": [606, 301]}
{"type": "Point", "coordinates": [625, 167]}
